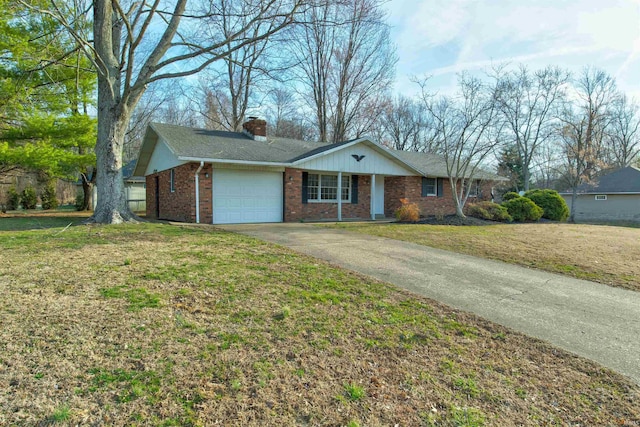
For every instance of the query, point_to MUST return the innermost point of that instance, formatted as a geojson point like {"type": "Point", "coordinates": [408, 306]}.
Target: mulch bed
{"type": "Point", "coordinates": [452, 220]}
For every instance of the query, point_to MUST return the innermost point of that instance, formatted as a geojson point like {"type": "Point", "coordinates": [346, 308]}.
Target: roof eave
{"type": "Point", "coordinates": [231, 161]}
{"type": "Point", "coordinates": [146, 150]}
{"type": "Point", "coordinates": [582, 193]}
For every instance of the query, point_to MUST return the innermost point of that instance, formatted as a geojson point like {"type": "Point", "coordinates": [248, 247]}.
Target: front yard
{"type": "Point", "coordinates": [152, 324]}
{"type": "Point", "coordinates": [601, 253]}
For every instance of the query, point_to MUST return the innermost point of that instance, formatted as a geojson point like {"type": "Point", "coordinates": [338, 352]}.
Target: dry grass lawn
{"type": "Point", "coordinates": [155, 325]}
{"type": "Point", "coordinates": [605, 254]}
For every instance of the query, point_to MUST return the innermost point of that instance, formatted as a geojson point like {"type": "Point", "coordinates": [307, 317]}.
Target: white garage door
{"type": "Point", "coordinates": [246, 196]}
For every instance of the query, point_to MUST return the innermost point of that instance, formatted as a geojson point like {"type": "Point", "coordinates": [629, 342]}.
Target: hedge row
{"type": "Point", "coordinates": [535, 204]}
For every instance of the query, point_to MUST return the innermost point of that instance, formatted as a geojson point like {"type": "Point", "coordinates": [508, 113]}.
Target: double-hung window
{"type": "Point", "coordinates": [429, 187]}
{"type": "Point", "coordinates": [324, 188]}
{"type": "Point", "coordinates": [475, 188]}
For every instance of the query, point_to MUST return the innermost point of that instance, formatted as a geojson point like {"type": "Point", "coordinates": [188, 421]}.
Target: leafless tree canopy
{"type": "Point", "coordinates": [624, 133]}
{"type": "Point", "coordinates": [585, 122]}
{"type": "Point", "coordinates": [464, 129]}
{"type": "Point", "coordinates": [527, 102]}
{"type": "Point", "coordinates": [402, 124]}
{"type": "Point", "coordinates": [344, 61]}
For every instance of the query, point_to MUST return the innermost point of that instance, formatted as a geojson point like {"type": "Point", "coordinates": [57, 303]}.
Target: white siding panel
{"type": "Point", "coordinates": [241, 196]}
{"type": "Point", "coordinates": [162, 159]}
{"type": "Point", "coordinates": [343, 160]}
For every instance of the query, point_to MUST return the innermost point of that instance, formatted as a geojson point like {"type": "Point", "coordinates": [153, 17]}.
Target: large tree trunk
{"type": "Point", "coordinates": [113, 118]}
{"type": "Point", "coordinates": [457, 198]}
{"type": "Point", "coordinates": [112, 203]}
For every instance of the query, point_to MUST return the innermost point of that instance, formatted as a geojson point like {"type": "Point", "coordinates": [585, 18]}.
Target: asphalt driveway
{"type": "Point", "coordinates": [589, 319]}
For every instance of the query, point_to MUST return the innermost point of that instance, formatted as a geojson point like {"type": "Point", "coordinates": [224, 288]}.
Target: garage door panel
{"type": "Point", "coordinates": [246, 196]}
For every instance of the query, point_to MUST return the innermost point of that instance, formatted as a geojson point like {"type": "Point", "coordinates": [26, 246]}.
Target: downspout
{"type": "Point", "coordinates": [198, 192]}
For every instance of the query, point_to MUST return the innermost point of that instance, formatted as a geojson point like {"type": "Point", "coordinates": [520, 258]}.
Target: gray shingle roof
{"type": "Point", "coordinates": [435, 165]}
{"type": "Point", "coordinates": [235, 146]}
{"type": "Point", "coordinates": [216, 144]}
{"type": "Point", "coordinates": [624, 180]}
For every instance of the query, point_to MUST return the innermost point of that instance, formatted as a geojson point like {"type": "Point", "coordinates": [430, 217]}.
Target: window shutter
{"type": "Point", "coordinates": [305, 184]}
{"type": "Point", "coordinates": [354, 189]}
{"type": "Point", "coordinates": [440, 187]}
{"type": "Point", "coordinates": [424, 187]}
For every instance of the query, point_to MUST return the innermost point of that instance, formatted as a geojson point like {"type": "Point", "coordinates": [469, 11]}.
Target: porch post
{"type": "Point", "coordinates": [339, 196]}
{"type": "Point", "coordinates": [373, 197]}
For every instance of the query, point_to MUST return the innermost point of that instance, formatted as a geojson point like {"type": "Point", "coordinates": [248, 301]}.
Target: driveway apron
{"type": "Point", "coordinates": [592, 320]}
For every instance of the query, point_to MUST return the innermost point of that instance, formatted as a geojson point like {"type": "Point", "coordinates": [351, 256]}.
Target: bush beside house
{"type": "Point", "coordinates": [553, 205]}
{"type": "Point", "coordinates": [489, 211]}
{"type": "Point", "coordinates": [408, 211]}
{"type": "Point", "coordinates": [510, 196]}
{"type": "Point", "coordinates": [523, 209]}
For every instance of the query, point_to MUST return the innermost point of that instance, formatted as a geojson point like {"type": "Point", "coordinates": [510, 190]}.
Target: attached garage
{"type": "Point", "coordinates": [241, 196]}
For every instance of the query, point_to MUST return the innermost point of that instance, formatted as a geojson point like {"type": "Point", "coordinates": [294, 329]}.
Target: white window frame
{"type": "Point", "coordinates": [601, 197]}
{"type": "Point", "coordinates": [319, 198]}
{"type": "Point", "coordinates": [435, 187]}
{"type": "Point", "coordinates": [172, 180]}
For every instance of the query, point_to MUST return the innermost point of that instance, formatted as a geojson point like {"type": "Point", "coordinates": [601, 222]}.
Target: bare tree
{"type": "Point", "coordinates": [345, 61]}
{"type": "Point", "coordinates": [527, 103]}
{"type": "Point", "coordinates": [464, 128]}
{"type": "Point", "coordinates": [153, 106]}
{"type": "Point", "coordinates": [284, 115]}
{"type": "Point", "coordinates": [135, 44]}
{"type": "Point", "coordinates": [401, 123]}
{"type": "Point", "coordinates": [313, 51]}
{"type": "Point", "coordinates": [583, 128]}
{"type": "Point", "coordinates": [624, 133]}
{"type": "Point", "coordinates": [547, 167]}
{"type": "Point", "coordinates": [230, 87]}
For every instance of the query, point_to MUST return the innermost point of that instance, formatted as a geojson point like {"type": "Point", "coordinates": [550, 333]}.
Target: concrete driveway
{"type": "Point", "coordinates": [592, 320]}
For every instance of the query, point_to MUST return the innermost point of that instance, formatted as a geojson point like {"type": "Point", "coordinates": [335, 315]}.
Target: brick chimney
{"type": "Point", "coordinates": [255, 129]}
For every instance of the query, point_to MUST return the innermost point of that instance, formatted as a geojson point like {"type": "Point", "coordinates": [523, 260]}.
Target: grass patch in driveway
{"type": "Point", "coordinates": [159, 325]}
{"type": "Point", "coordinates": [604, 254]}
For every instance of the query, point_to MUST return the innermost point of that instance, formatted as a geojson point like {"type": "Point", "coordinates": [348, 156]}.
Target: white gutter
{"type": "Point", "coordinates": [198, 192]}
{"type": "Point", "coordinates": [233, 162]}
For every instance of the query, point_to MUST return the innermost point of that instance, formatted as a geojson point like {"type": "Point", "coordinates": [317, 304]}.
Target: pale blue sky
{"type": "Point", "coordinates": [443, 37]}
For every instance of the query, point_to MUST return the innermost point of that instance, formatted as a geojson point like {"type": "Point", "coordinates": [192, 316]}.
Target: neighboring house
{"type": "Point", "coordinates": [134, 187]}
{"type": "Point", "coordinates": [245, 177]}
{"type": "Point", "coordinates": [612, 197]}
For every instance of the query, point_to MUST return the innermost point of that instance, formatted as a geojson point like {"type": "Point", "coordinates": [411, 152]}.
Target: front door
{"type": "Point", "coordinates": [378, 208]}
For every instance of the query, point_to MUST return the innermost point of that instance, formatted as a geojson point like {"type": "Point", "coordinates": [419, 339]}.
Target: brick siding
{"type": "Point", "coordinates": [410, 188]}
{"type": "Point", "coordinates": [295, 210]}
{"type": "Point", "coordinates": [179, 205]}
